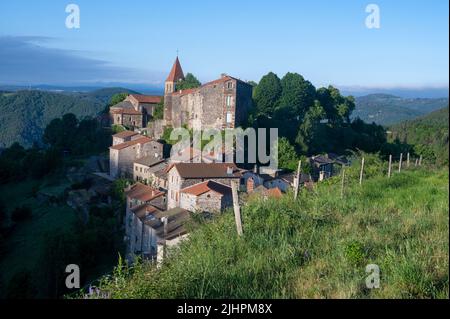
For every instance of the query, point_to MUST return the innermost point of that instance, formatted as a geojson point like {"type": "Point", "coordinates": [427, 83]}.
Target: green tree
{"type": "Point", "coordinates": [311, 134]}
{"type": "Point", "coordinates": [267, 94]}
{"type": "Point", "coordinates": [117, 98]}
{"type": "Point", "coordinates": [297, 95]}
{"type": "Point", "coordinates": [287, 156]}
{"type": "Point", "coordinates": [158, 114]}
{"type": "Point", "coordinates": [189, 82]}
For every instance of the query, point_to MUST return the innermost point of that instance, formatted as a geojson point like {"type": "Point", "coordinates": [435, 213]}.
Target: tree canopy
{"type": "Point", "coordinates": [189, 82]}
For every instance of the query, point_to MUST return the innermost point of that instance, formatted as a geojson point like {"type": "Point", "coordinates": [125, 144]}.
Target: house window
{"type": "Point", "coordinates": [230, 85]}
{"type": "Point", "coordinates": [229, 118]}
{"type": "Point", "coordinates": [228, 100]}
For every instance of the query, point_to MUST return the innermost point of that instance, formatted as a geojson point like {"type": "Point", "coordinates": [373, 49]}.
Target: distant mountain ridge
{"type": "Point", "coordinates": [386, 109]}
{"type": "Point", "coordinates": [25, 114]}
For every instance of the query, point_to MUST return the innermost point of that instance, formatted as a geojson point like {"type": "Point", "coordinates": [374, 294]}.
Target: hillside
{"type": "Point", "coordinates": [24, 114]}
{"type": "Point", "coordinates": [388, 109]}
{"type": "Point", "coordinates": [315, 248]}
{"type": "Point", "coordinates": [428, 134]}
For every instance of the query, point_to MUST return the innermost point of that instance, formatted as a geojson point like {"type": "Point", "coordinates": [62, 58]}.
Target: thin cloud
{"type": "Point", "coordinates": [24, 60]}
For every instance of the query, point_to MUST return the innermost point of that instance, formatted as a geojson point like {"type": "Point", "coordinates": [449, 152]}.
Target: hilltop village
{"type": "Point", "coordinates": [167, 190]}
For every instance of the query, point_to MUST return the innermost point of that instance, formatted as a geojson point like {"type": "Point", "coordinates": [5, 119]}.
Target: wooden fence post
{"type": "Point", "coordinates": [236, 207]}
{"type": "Point", "coordinates": [407, 160]}
{"type": "Point", "coordinates": [390, 166]}
{"type": "Point", "coordinates": [297, 184]}
{"type": "Point", "coordinates": [400, 163]}
{"type": "Point", "coordinates": [417, 162]}
{"type": "Point", "coordinates": [343, 181]}
{"type": "Point", "coordinates": [362, 172]}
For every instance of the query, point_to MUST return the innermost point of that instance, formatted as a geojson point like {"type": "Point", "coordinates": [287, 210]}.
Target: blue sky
{"type": "Point", "coordinates": [136, 41]}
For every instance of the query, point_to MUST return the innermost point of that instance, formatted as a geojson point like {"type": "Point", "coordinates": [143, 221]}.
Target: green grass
{"type": "Point", "coordinates": [25, 245]}
{"type": "Point", "coordinates": [317, 247]}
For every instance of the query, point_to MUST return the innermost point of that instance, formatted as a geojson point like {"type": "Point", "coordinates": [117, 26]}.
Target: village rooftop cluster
{"type": "Point", "coordinates": [167, 190]}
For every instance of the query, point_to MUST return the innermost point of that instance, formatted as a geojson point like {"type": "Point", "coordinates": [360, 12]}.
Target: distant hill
{"type": "Point", "coordinates": [388, 109]}
{"type": "Point", "coordinates": [428, 134]}
{"type": "Point", "coordinates": [25, 114]}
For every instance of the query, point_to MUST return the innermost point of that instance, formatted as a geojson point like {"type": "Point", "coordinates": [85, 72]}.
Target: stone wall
{"type": "Point", "coordinates": [217, 105]}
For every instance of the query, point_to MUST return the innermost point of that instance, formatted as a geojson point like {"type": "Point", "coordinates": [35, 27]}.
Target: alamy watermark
{"type": "Point", "coordinates": [73, 19]}
{"type": "Point", "coordinates": [260, 145]}
{"type": "Point", "coordinates": [373, 19]}
{"type": "Point", "coordinates": [373, 280]}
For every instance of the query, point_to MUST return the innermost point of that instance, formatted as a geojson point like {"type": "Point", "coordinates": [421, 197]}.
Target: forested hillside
{"type": "Point", "coordinates": [427, 134]}
{"type": "Point", "coordinates": [25, 114]}
{"type": "Point", "coordinates": [388, 109]}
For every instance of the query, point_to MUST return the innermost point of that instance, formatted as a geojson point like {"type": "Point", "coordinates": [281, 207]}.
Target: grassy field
{"type": "Point", "coordinates": [25, 244]}
{"type": "Point", "coordinates": [317, 247]}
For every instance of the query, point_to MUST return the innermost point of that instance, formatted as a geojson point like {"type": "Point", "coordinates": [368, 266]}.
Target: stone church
{"type": "Point", "coordinates": [223, 103]}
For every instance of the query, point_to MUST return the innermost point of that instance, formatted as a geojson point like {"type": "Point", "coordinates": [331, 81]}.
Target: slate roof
{"type": "Point", "coordinates": [205, 170]}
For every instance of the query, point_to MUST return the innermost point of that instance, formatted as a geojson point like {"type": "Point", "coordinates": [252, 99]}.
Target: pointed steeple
{"type": "Point", "coordinates": [176, 74]}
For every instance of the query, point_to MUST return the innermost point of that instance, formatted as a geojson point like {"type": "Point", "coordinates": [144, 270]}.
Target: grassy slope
{"type": "Point", "coordinates": [26, 243]}
{"type": "Point", "coordinates": [315, 248]}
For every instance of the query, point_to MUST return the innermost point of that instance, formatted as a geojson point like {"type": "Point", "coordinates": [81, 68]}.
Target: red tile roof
{"type": "Point", "coordinates": [125, 134]}
{"type": "Point", "coordinates": [143, 192]}
{"type": "Point", "coordinates": [151, 99]}
{"type": "Point", "coordinates": [201, 188]}
{"type": "Point", "coordinates": [141, 140]}
{"type": "Point", "coordinates": [176, 73]}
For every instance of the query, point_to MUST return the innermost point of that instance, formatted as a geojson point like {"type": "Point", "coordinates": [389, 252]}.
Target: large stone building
{"type": "Point", "coordinates": [223, 103]}
{"type": "Point", "coordinates": [123, 155]}
{"type": "Point", "coordinates": [135, 111]}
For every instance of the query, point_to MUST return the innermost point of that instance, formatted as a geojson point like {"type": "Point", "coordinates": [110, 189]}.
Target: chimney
{"type": "Point", "coordinates": [229, 171]}
{"type": "Point", "coordinates": [223, 75]}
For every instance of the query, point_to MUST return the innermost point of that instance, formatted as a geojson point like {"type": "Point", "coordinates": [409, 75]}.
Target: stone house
{"type": "Point", "coordinates": [145, 168]}
{"type": "Point", "coordinates": [149, 228]}
{"type": "Point", "coordinates": [154, 231]}
{"type": "Point", "coordinates": [122, 156]}
{"type": "Point", "coordinates": [208, 196]}
{"type": "Point", "coordinates": [282, 181]}
{"type": "Point", "coordinates": [223, 103]}
{"type": "Point", "coordinates": [124, 136]}
{"type": "Point", "coordinates": [182, 175]}
{"type": "Point", "coordinates": [127, 117]}
{"type": "Point", "coordinates": [322, 167]}
{"type": "Point", "coordinates": [135, 111]}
